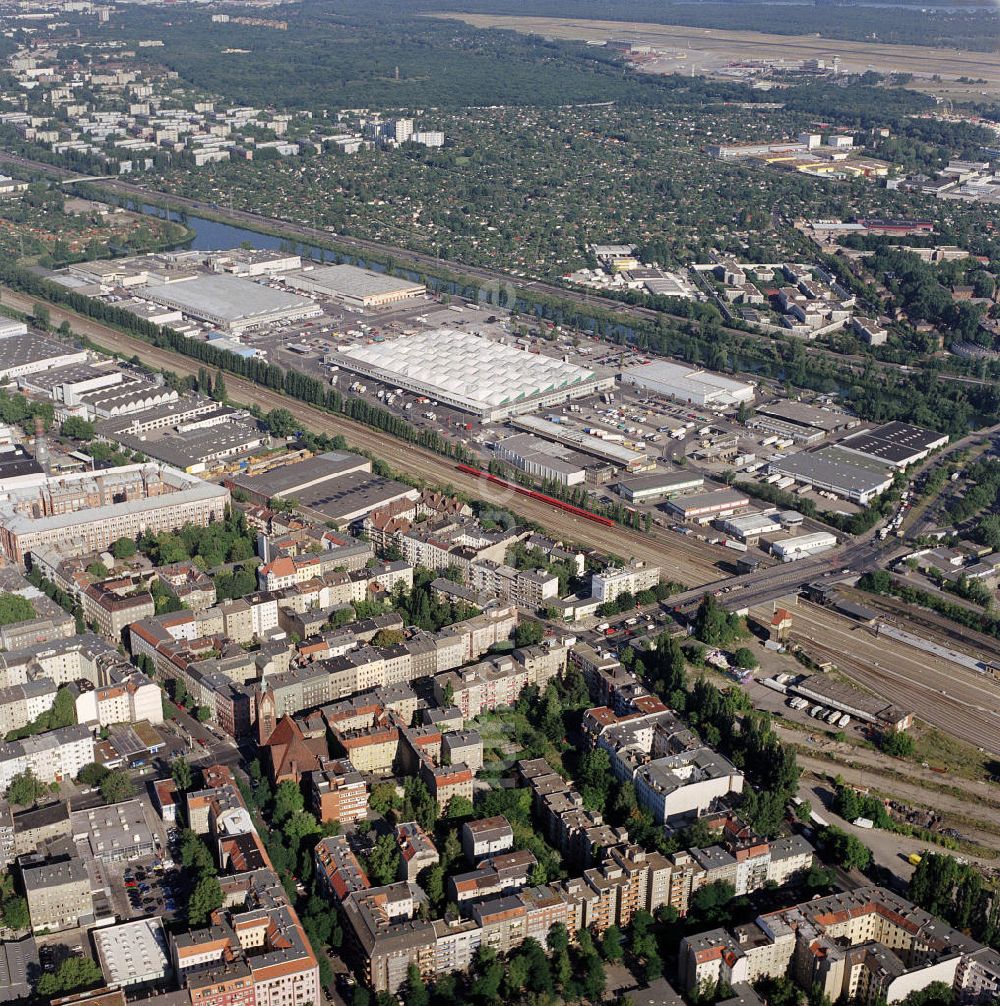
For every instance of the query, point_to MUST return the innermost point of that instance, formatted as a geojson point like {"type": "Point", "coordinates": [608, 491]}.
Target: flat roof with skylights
{"type": "Point", "coordinates": [133, 953]}
{"type": "Point", "coordinates": [468, 372]}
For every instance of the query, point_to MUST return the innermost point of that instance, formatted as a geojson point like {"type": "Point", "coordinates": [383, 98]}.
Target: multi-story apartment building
{"type": "Point", "coordinates": [416, 850]}
{"type": "Point", "coordinates": [22, 703]}
{"type": "Point", "coordinates": [338, 869]}
{"type": "Point", "coordinates": [58, 894]}
{"type": "Point", "coordinates": [128, 700]}
{"type": "Point", "coordinates": [486, 837]}
{"type": "Point", "coordinates": [609, 584]}
{"type": "Point", "coordinates": [255, 951]}
{"type": "Point", "coordinates": [572, 829]}
{"type": "Point", "coordinates": [682, 786]}
{"type": "Point", "coordinates": [531, 589]}
{"type": "Point", "coordinates": [112, 605]}
{"type": "Point", "coordinates": [977, 980]}
{"type": "Point", "coordinates": [868, 945]}
{"type": "Point", "coordinates": [51, 756]}
{"type": "Point", "coordinates": [193, 587]}
{"type": "Point", "coordinates": [338, 792]}
{"type": "Point", "coordinates": [387, 935]}
{"type": "Point", "coordinates": [504, 873]}
{"type": "Point", "coordinates": [462, 746]}
{"type": "Point", "coordinates": [453, 541]}
{"type": "Point", "coordinates": [444, 782]}
{"type": "Point", "coordinates": [490, 684]}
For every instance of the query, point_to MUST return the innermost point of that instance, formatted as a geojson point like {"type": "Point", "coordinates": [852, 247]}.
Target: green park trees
{"type": "Point", "coordinates": [13, 907]}
{"type": "Point", "coordinates": [15, 608]}
{"type": "Point", "coordinates": [714, 625]}
{"type": "Point", "coordinates": [204, 899]}
{"type": "Point", "coordinates": [960, 894]}
{"type": "Point", "coordinates": [382, 862]}
{"type": "Point", "coordinates": [182, 775]}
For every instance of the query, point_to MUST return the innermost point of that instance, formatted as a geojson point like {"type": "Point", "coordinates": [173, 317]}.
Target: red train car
{"type": "Point", "coordinates": [541, 497]}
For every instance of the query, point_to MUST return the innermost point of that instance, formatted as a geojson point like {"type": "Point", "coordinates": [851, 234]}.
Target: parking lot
{"type": "Point", "coordinates": [148, 886]}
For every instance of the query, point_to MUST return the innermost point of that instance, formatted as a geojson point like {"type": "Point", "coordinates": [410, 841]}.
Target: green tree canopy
{"type": "Point", "coordinates": [72, 975]}
{"type": "Point", "coordinates": [14, 608]}
{"type": "Point", "coordinates": [116, 786]}
{"type": "Point", "coordinates": [205, 899]}
{"type": "Point", "coordinates": [25, 788]}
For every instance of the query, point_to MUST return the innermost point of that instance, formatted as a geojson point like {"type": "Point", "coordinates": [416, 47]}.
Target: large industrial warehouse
{"type": "Point", "coordinates": [852, 476]}
{"type": "Point", "coordinates": [354, 286]}
{"type": "Point", "coordinates": [489, 379]}
{"type": "Point", "coordinates": [699, 387]}
{"type": "Point", "coordinates": [232, 304]}
{"type": "Point", "coordinates": [895, 444]}
{"type": "Point", "coordinates": [337, 487]}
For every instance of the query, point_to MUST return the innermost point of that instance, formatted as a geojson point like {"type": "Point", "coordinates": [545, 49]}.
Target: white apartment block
{"type": "Point", "coordinates": [128, 701]}
{"type": "Point", "coordinates": [867, 945]}
{"type": "Point", "coordinates": [678, 787]}
{"type": "Point", "coordinates": [51, 756]}
{"type": "Point", "coordinates": [526, 588]}
{"type": "Point", "coordinates": [610, 583]}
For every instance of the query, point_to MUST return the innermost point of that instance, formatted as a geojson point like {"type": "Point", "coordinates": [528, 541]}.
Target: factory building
{"type": "Point", "coordinates": [749, 527]}
{"type": "Point", "coordinates": [849, 475]}
{"type": "Point", "coordinates": [90, 510]}
{"type": "Point", "coordinates": [606, 450]}
{"type": "Point", "coordinates": [489, 379]}
{"type": "Point", "coordinates": [232, 304]}
{"type": "Point", "coordinates": [804, 545]}
{"type": "Point", "coordinates": [803, 423]}
{"type": "Point", "coordinates": [336, 487]}
{"type": "Point", "coordinates": [23, 352]}
{"type": "Point", "coordinates": [658, 485]}
{"type": "Point", "coordinates": [708, 505]}
{"type": "Point", "coordinates": [894, 445]}
{"type": "Point", "coordinates": [542, 459]}
{"type": "Point", "coordinates": [698, 387]}
{"type": "Point", "coordinates": [356, 287]}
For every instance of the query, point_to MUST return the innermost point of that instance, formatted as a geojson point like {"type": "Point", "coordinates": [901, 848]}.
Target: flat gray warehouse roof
{"type": "Point", "coordinates": [227, 298]}
{"type": "Point", "coordinates": [845, 473]}
{"type": "Point", "coordinates": [665, 481]}
{"type": "Point", "coordinates": [293, 480]}
{"type": "Point", "coordinates": [895, 443]}
{"type": "Point", "coordinates": [353, 495]}
{"type": "Point", "coordinates": [807, 415]}
{"type": "Point", "coordinates": [22, 350]}
{"type": "Point", "coordinates": [353, 282]}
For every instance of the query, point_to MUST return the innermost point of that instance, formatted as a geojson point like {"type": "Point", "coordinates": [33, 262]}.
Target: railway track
{"type": "Point", "coordinates": [938, 629]}
{"type": "Point", "coordinates": [680, 560]}
{"type": "Point", "coordinates": [942, 694]}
